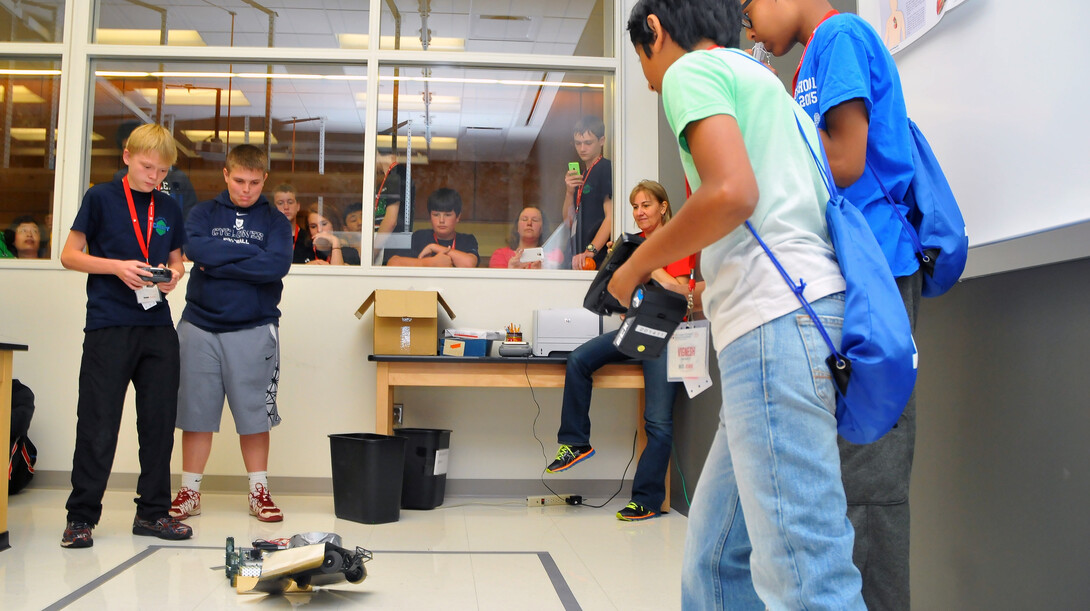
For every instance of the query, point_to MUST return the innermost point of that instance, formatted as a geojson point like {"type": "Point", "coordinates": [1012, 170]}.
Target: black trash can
{"type": "Point", "coordinates": [427, 454]}
{"type": "Point", "coordinates": [367, 474]}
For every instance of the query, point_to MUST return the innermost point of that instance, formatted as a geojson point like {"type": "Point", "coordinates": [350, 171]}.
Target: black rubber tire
{"type": "Point", "coordinates": [333, 562]}
{"type": "Point", "coordinates": [229, 558]}
{"type": "Point", "coordinates": [356, 575]}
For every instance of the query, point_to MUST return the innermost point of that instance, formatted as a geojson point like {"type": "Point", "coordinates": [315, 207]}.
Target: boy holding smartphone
{"type": "Point", "coordinates": [588, 196]}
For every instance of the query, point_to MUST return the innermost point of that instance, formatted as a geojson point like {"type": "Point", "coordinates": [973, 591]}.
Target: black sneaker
{"type": "Point", "coordinates": [568, 456]}
{"type": "Point", "coordinates": [77, 535]}
{"type": "Point", "coordinates": [165, 527]}
{"type": "Point", "coordinates": [634, 512]}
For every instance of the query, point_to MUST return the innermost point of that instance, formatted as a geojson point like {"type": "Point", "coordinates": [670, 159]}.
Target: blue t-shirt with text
{"type": "Point", "coordinates": [104, 218]}
{"type": "Point", "coordinates": [846, 60]}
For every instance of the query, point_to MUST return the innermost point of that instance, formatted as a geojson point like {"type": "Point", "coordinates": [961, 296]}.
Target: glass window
{"type": "Point", "coordinates": [29, 96]}
{"type": "Point", "coordinates": [309, 118]}
{"type": "Point", "coordinates": [37, 21]}
{"type": "Point", "coordinates": [483, 145]}
{"type": "Point", "coordinates": [564, 27]}
{"type": "Point", "coordinates": [233, 23]}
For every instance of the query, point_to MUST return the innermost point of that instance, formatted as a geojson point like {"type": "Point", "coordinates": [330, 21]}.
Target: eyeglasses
{"type": "Point", "coordinates": [746, 23]}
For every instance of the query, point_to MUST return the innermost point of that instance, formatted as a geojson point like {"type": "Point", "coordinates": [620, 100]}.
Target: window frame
{"type": "Point", "coordinates": [77, 53]}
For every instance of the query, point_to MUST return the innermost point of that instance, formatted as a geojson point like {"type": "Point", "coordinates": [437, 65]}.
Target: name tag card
{"type": "Point", "coordinates": [148, 296]}
{"type": "Point", "coordinates": [687, 357]}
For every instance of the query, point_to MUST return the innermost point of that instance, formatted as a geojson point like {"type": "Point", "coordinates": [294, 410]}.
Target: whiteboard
{"type": "Point", "coordinates": [1000, 89]}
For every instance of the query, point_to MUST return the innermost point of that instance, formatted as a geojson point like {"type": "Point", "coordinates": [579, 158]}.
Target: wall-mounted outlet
{"type": "Point", "coordinates": [399, 414]}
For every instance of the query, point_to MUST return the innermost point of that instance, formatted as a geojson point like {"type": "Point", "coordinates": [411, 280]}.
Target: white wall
{"type": "Point", "coordinates": [996, 87]}
{"type": "Point", "coordinates": [327, 384]}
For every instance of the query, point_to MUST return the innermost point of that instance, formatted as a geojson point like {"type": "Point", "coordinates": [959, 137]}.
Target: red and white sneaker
{"type": "Point", "coordinates": [262, 506]}
{"type": "Point", "coordinates": [187, 503]}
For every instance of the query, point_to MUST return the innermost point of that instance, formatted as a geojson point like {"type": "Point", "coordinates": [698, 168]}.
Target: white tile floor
{"type": "Point", "coordinates": [467, 554]}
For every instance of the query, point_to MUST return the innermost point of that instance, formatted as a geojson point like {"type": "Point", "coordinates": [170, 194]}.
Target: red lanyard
{"type": "Point", "coordinates": [294, 235]}
{"type": "Point", "coordinates": [383, 185]}
{"type": "Point", "coordinates": [692, 257]}
{"type": "Point", "coordinates": [135, 223]}
{"type": "Point", "coordinates": [453, 242]}
{"type": "Point", "coordinates": [795, 81]}
{"type": "Point", "coordinates": [579, 196]}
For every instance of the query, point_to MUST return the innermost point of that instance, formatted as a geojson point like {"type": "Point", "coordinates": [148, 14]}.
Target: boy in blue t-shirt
{"type": "Point", "coordinates": [848, 83]}
{"type": "Point", "coordinates": [768, 526]}
{"type": "Point", "coordinates": [122, 228]}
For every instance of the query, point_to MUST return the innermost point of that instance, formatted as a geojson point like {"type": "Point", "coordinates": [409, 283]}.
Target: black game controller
{"type": "Point", "coordinates": [652, 315]}
{"type": "Point", "coordinates": [598, 299]}
{"type": "Point", "coordinates": [159, 274]}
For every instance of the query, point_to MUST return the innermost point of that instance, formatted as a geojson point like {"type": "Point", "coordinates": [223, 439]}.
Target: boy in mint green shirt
{"type": "Point", "coordinates": [768, 525]}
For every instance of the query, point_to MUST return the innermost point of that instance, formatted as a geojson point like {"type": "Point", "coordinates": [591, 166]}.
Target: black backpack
{"type": "Point", "coordinates": [23, 454]}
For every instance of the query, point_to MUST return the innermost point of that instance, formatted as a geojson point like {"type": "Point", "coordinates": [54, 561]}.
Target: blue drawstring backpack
{"type": "Point", "coordinates": [934, 221]}
{"type": "Point", "coordinates": [875, 366]}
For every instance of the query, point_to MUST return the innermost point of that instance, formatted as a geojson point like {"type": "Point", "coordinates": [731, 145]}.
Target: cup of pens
{"type": "Point", "coordinates": [514, 333]}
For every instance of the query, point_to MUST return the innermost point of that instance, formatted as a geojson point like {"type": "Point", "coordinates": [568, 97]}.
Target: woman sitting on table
{"type": "Point", "coordinates": [323, 247]}
{"type": "Point", "coordinates": [527, 232]}
{"type": "Point", "coordinates": [651, 210]}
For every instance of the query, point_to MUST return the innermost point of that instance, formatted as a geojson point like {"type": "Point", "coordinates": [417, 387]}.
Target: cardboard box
{"type": "Point", "coordinates": [406, 322]}
{"type": "Point", "coordinates": [457, 346]}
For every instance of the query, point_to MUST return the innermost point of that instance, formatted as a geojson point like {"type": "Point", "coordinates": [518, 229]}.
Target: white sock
{"type": "Point", "coordinates": [258, 477]}
{"type": "Point", "coordinates": [192, 480]}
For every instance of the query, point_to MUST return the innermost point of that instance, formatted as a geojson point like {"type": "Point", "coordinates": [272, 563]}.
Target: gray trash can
{"type": "Point", "coordinates": [367, 476]}
{"type": "Point", "coordinates": [427, 453]}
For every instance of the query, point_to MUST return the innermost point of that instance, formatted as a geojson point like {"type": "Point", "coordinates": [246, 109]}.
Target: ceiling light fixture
{"type": "Point", "coordinates": [438, 143]}
{"type": "Point", "coordinates": [22, 95]}
{"type": "Point", "coordinates": [233, 138]}
{"type": "Point", "coordinates": [126, 36]}
{"type": "Point", "coordinates": [347, 77]}
{"type": "Point", "coordinates": [436, 43]}
{"type": "Point", "coordinates": [486, 81]}
{"type": "Point", "coordinates": [196, 96]}
{"type": "Point", "coordinates": [37, 134]}
{"type": "Point", "coordinates": [13, 72]}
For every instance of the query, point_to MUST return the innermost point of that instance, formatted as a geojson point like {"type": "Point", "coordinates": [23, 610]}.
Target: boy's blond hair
{"type": "Point", "coordinates": [247, 157]}
{"type": "Point", "coordinates": [152, 138]}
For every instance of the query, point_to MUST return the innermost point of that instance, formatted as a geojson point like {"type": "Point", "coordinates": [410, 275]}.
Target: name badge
{"type": "Point", "coordinates": [687, 357]}
{"type": "Point", "coordinates": [148, 296]}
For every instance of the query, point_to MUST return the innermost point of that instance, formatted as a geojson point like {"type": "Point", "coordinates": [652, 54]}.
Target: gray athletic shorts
{"type": "Point", "coordinates": [243, 366]}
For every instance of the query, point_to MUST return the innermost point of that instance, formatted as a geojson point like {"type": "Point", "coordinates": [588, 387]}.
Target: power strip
{"type": "Point", "coordinates": [551, 499]}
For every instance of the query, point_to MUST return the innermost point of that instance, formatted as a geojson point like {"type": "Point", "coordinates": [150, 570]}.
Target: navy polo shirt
{"type": "Point", "coordinates": [104, 218]}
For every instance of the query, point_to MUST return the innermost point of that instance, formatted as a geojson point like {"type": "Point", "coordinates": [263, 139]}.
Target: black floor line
{"type": "Point", "coordinates": [563, 592]}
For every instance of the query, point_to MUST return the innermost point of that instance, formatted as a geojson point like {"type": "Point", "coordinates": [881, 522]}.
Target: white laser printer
{"type": "Point", "coordinates": [564, 329]}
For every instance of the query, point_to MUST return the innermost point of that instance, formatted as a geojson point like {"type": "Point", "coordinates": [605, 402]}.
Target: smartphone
{"type": "Point", "coordinates": [760, 54]}
{"type": "Point", "coordinates": [574, 167]}
{"type": "Point", "coordinates": [531, 255]}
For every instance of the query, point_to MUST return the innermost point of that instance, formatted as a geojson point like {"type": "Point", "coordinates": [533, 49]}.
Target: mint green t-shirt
{"type": "Point", "coordinates": [744, 289]}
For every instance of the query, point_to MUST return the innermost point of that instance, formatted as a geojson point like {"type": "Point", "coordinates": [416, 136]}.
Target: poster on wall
{"type": "Point", "coordinates": [902, 22]}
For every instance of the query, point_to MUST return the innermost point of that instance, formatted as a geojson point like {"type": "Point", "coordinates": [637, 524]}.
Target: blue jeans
{"type": "Point", "coordinates": [768, 525]}
{"type": "Point", "coordinates": [648, 484]}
